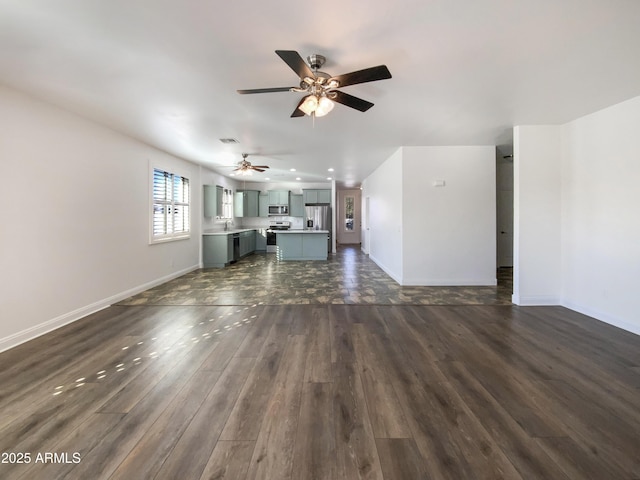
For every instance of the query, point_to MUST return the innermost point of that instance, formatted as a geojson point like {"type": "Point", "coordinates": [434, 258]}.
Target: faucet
{"type": "Point", "coordinates": [226, 225]}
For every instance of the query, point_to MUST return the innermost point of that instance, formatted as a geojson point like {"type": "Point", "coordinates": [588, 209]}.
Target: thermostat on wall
{"type": "Point", "coordinates": [438, 183]}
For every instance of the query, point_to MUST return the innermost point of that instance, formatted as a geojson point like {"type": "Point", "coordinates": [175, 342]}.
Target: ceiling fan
{"type": "Point", "coordinates": [244, 167]}
{"type": "Point", "coordinates": [321, 88]}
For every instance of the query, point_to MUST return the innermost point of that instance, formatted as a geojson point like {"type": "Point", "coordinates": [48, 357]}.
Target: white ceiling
{"type": "Point", "coordinates": [464, 72]}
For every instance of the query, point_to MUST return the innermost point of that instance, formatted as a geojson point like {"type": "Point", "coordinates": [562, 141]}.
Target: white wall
{"type": "Point", "coordinates": [449, 233]}
{"type": "Point", "coordinates": [426, 235]}
{"type": "Point", "coordinates": [75, 229]}
{"type": "Point", "coordinates": [537, 211]}
{"type": "Point", "coordinates": [384, 189]}
{"type": "Point", "coordinates": [601, 215]}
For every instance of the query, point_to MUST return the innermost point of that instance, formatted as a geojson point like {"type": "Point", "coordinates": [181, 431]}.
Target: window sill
{"type": "Point", "coordinates": [158, 240]}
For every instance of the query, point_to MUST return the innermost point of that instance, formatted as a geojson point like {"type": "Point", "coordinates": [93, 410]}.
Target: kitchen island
{"type": "Point", "coordinates": [302, 244]}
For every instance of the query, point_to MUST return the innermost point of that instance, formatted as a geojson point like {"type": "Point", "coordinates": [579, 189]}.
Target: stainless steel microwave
{"type": "Point", "coordinates": [278, 210]}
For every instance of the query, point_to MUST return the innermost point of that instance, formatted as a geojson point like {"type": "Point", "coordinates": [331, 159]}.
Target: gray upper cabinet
{"type": "Point", "coordinates": [278, 197]}
{"type": "Point", "coordinates": [263, 205]}
{"type": "Point", "coordinates": [245, 203]}
{"type": "Point", "coordinates": [324, 196]}
{"type": "Point", "coordinates": [316, 196]}
{"type": "Point", "coordinates": [297, 206]}
{"type": "Point", "coordinates": [212, 199]}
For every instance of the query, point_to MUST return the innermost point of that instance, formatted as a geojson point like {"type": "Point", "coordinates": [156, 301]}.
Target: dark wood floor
{"type": "Point", "coordinates": [324, 392]}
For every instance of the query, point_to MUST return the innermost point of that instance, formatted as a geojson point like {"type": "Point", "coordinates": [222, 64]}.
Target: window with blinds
{"type": "Point", "coordinates": [170, 206]}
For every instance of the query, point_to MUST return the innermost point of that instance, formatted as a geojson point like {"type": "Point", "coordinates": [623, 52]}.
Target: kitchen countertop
{"type": "Point", "coordinates": [301, 231]}
{"type": "Point", "coordinates": [228, 232]}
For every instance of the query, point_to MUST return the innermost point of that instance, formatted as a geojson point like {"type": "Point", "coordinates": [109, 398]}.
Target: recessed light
{"type": "Point", "coordinates": [267, 178]}
{"type": "Point", "coordinates": [330, 170]}
{"type": "Point", "coordinates": [292, 169]}
{"type": "Point", "coordinates": [329, 178]}
{"type": "Point", "coordinates": [298, 178]}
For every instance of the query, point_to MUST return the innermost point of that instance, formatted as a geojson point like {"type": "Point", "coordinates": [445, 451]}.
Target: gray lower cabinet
{"type": "Point", "coordinates": [261, 239]}
{"type": "Point", "coordinates": [247, 242]}
{"type": "Point", "coordinates": [302, 246]}
{"type": "Point", "coordinates": [217, 250]}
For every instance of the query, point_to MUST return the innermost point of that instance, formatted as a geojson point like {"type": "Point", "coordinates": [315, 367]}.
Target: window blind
{"type": "Point", "coordinates": [170, 205]}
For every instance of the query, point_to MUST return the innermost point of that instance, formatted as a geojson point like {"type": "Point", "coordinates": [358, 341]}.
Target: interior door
{"type": "Point", "coordinates": [504, 217]}
{"type": "Point", "coordinates": [349, 219]}
{"type": "Point", "coordinates": [365, 227]}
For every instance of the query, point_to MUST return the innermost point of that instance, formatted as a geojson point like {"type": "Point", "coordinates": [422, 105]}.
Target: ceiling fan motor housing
{"type": "Point", "coordinates": [316, 61]}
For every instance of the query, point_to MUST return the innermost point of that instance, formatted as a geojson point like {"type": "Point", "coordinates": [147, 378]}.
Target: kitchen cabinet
{"type": "Point", "coordinates": [263, 205]}
{"type": "Point", "coordinates": [324, 196]}
{"type": "Point", "coordinates": [302, 245]}
{"type": "Point", "coordinates": [247, 242]}
{"type": "Point", "coordinates": [296, 208]}
{"type": "Point", "coordinates": [316, 196]}
{"type": "Point", "coordinates": [278, 197]}
{"type": "Point", "coordinates": [217, 247]}
{"type": "Point", "coordinates": [212, 199]}
{"type": "Point", "coordinates": [217, 250]}
{"type": "Point", "coordinates": [261, 239]}
{"type": "Point", "coordinates": [245, 203]}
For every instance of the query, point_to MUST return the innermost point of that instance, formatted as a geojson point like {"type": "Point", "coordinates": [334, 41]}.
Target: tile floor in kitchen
{"type": "Point", "coordinates": [348, 277]}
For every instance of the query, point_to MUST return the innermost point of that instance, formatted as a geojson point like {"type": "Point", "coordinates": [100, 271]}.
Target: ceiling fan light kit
{"type": "Point", "coordinates": [316, 105]}
{"type": "Point", "coordinates": [321, 88]}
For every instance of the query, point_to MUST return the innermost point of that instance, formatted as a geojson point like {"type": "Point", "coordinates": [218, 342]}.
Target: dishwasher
{"type": "Point", "coordinates": [236, 247]}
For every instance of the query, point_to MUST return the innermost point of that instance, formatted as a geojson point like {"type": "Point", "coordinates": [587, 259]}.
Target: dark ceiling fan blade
{"type": "Point", "coordinates": [265, 90]}
{"type": "Point", "coordinates": [259, 166]}
{"type": "Point", "coordinates": [350, 101]}
{"type": "Point", "coordinates": [381, 72]}
{"type": "Point", "coordinates": [297, 112]}
{"type": "Point", "coordinates": [295, 61]}
{"type": "Point", "coordinates": [257, 169]}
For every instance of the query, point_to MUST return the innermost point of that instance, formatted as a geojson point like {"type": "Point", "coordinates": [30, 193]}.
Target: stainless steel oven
{"type": "Point", "coordinates": [274, 226]}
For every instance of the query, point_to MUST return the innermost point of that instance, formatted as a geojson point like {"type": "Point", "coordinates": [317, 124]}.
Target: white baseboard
{"type": "Point", "coordinates": [32, 332]}
{"type": "Point", "coordinates": [534, 300]}
{"type": "Point", "coordinates": [460, 282]}
{"type": "Point", "coordinates": [385, 269]}
{"type": "Point", "coordinates": [603, 317]}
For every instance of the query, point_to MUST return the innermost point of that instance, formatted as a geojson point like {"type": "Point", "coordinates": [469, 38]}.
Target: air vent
{"type": "Point", "coordinates": [229, 140]}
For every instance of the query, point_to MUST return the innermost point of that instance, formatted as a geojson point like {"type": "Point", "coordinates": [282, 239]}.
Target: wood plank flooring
{"type": "Point", "coordinates": [324, 392]}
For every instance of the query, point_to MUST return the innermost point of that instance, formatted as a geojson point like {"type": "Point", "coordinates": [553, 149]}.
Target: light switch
{"type": "Point", "coordinates": [438, 183]}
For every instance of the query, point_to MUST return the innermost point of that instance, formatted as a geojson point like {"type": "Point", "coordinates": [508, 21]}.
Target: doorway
{"type": "Point", "coordinates": [349, 217]}
{"type": "Point", "coordinates": [504, 210]}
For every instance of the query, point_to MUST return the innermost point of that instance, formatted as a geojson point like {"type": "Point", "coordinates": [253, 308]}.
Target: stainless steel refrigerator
{"type": "Point", "coordinates": [318, 217]}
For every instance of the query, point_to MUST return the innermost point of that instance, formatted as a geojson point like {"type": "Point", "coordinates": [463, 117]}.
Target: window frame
{"type": "Point", "coordinates": [227, 203]}
{"type": "Point", "coordinates": [346, 211]}
{"type": "Point", "coordinates": [171, 203]}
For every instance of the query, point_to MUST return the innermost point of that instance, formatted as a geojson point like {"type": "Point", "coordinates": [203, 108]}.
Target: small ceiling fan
{"type": "Point", "coordinates": [321, 88]}
{"type": "Point", "coordinates": [244, 167]}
